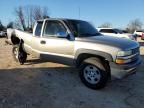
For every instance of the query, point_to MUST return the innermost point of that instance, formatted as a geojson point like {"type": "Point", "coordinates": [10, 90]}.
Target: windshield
{"type": "Point", "coordinates": [83, 28]}
{"type": "Point", "coordinates": [140, 31]}
{"type": "Point", "coordinates": [119, 31]}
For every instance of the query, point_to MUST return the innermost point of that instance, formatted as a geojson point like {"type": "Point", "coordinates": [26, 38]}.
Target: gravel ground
{"type": "Point", "coordinates": [42, 85]}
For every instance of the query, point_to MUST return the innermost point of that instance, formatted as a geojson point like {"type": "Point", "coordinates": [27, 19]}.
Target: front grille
{"type": "Point", "coordinates": [136, 50]}
{"type": "Point", "coordinates": [135, 58]}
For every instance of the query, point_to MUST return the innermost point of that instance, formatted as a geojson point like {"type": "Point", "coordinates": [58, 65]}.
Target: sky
{"type": "Point", "coordinates": [118, 12]}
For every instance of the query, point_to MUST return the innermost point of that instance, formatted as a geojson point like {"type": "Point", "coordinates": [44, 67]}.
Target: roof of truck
{"type": "Point", "coordinates": [57, 19]}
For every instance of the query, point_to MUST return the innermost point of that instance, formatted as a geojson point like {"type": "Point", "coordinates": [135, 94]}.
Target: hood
{"type": "Point", "coordinates": [121, 43]}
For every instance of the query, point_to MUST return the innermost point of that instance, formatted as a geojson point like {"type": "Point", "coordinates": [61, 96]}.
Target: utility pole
{"type": "Point", "coordinates": [79, 12]}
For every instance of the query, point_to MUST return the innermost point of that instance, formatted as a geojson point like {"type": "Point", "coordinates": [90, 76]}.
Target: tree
{"type": "Point", "coordinates": [135, 24]}
{"type": "Point", "coordinates": [1, 26]}
{"type": "Point", "coordinates": [10, 25]}
{"type": "Point", "coordinates": [27, 15]}
{"type": "Point", "coordinates": [40, 13]}
{"type": "Point", "coordinates": [20, 16]}
{"type": "Point", "coordinates": [106, 25]}
{"type": "Point", "coordinates": [45, 13]}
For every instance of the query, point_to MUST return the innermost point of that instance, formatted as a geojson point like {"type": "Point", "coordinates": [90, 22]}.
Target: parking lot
{"type": "Point", "coordinates": [42, 84]}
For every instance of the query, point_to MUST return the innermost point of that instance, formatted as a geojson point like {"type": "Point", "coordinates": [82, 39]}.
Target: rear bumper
{"type": "Point", "coordinates": [120, 71]}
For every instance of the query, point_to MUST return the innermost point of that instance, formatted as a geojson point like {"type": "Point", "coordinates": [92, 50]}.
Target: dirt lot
{"type": "Point", "coordinates": [42, 85]}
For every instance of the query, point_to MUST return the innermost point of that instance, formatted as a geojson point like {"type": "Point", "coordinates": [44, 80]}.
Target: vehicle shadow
{"type": "Point", "coordinates": [66, 75]}
{"type": "Point", "coordinates": [21, 86]}
{"type": "Point", "coordinates": [38, 61]}
{"type": "Point", "coordinates": [46, 86]}
{"type": "Point", "coordinates": [35, 61]}
{"type": "Point", "coordinates": [142, 64]}
{"type": "Point", "coordinates": [60, 60]}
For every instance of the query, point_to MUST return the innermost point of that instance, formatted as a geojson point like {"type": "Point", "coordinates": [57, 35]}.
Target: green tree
{"type": "Point", "coordinates": [1, 26]}
{"type": "Point", "coordinates": [10, 25]}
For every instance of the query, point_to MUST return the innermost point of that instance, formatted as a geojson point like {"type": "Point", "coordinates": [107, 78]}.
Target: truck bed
{"type": "Point", "coordinates": [20, 34]}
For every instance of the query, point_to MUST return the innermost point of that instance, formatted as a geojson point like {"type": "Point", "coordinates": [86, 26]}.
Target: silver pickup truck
{"type": "Point", "coordinates": [78, 43]}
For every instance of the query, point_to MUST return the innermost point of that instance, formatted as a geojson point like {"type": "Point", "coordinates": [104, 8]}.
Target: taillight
{"type": "Point", "coordinates": [142, 37]}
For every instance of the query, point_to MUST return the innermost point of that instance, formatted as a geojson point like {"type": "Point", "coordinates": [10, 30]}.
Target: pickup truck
{"type": "Point", "coordinates": [77, 43]}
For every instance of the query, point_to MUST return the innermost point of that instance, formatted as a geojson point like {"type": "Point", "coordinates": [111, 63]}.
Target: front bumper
{"type": "Point", "coordinates": [120, 71]}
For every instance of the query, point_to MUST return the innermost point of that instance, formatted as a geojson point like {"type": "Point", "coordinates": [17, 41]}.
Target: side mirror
{"type": "Point", "coordinates": [61, 34]}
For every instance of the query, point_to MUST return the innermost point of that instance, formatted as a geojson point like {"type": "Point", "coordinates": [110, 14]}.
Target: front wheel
{"type": "Point", "coordinates": [19, 55]}
{"type": "Point", "coordinates": [93, 73]}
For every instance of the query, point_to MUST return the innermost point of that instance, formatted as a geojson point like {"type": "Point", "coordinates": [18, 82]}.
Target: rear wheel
{"type": "Point", "coordinates": [19, 55]}
{"type": "Point", "coordinates": [15, 52]}
{"type": "Point", "coordinates": [93, 73]}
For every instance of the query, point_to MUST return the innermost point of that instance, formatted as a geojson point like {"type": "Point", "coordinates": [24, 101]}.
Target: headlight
{"type": "Point", "coordinates": [122, 57]}
{"type": "Point", "coordinates": [124, 53]}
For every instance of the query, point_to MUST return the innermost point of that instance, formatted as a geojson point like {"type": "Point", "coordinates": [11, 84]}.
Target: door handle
{"type": "Point", "coordinates": [43, 42]}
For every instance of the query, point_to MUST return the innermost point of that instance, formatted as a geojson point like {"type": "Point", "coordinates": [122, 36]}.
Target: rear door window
{"type": "Point", "coordinates": [38, 29]}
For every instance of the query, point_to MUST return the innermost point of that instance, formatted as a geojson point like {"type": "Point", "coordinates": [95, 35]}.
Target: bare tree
{"type": "Point", "coordinates": [27, 15]}
{"type": "Point", "coordinates": [20, 16]}
{"type": "Point", "coordinates": [31, 16]}
{"type": "Point", "coordinates": [135, 24]}
{"type": "Point", "coordinates": [37, 13]}
{"type": "Point", "coordinates": [40, 13]}
{"type": "Point", "coordinates": [45, 12]}
{"type": "Point", "coordinates": [106, 25]}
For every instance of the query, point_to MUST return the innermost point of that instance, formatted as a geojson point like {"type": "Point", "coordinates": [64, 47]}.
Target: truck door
{"type": "Point", "coordinates": [54, 43]}
{"type": "Point", "coordinates": [36, 37]}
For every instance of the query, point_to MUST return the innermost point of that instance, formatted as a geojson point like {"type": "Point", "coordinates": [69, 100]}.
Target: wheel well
{"type": "Point", "coordinates": [84, 56]}
{"type": "Point", "coordinates": [15, 40]}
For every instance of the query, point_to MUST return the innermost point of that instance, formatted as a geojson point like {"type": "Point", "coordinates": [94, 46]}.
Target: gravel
{"type": "Point", "coordinates": [39, 84]}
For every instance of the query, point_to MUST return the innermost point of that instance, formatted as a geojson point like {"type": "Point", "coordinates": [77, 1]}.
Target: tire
{"type": "Point", "coordinates": [93, 73]}
{"type": "Point", "coordinates": [19, 55]}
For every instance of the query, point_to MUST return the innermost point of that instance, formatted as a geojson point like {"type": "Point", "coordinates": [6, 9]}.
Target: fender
{"type": "Point", "coordinates": [22, 54]}
{"type": "Point", "coordinates": [93, 52]}
{"type": "Point", "coordinates": [14, 39]}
